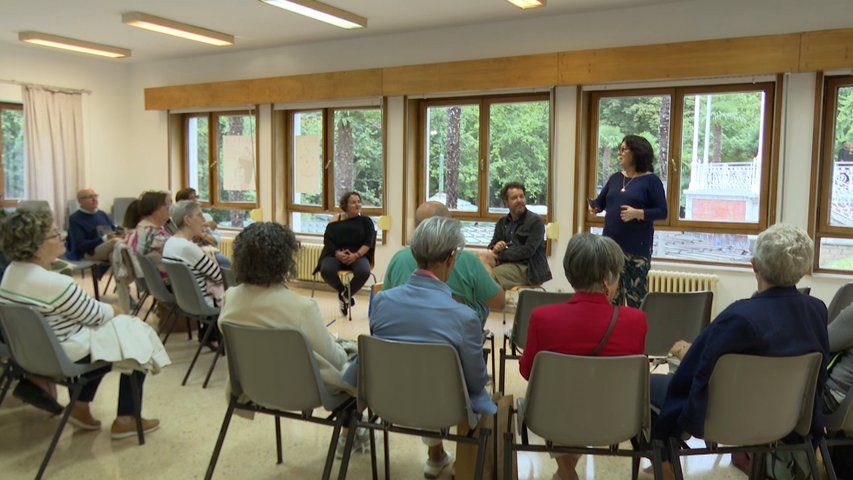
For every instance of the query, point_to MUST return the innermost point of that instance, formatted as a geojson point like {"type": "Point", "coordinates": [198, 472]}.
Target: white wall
{"type": "Point", "coordinates": [127, 146]}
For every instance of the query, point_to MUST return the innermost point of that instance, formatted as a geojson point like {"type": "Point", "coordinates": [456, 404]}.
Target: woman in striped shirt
{"type": "Point", "coordinates": [180, 248]}
{"type": "Point", "coordinates": [32, 241]}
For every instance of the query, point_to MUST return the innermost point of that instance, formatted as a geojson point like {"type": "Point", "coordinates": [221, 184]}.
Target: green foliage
{"type": "Point", "coordinates": [12, 125]}
{"type": "Point", "coordinates": [365, 168]}
{"type": "Point", "coordinates": [844, 118]}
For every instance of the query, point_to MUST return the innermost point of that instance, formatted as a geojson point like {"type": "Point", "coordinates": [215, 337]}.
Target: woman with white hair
{"type": "Point", "coordinates": [777, 321]}
{"type": "Point", "coordinates": [180, 248]}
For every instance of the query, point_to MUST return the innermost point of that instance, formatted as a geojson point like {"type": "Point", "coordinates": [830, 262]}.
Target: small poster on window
{"type": "Point", "coordinates": [307, 176]}
{"type": "Point", "coordinates": [238, 163]}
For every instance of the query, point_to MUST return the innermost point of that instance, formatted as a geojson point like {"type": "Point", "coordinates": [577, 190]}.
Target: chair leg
{"type": "Point", "coordinates": [482, 439]}
{"type": "Point", "coordinates": [824, 452]}
{"type": "Point", "coordinates": [139, 304]}
{"type": "Point", "coordinates": [197, 352]}
{"type": "Point", "coordinates": [676, 461]}
{"type": "Point", "coordinates": [137, 406]}
{"type": "Point", "coordinates": [75, 390]}
{"type": "Point", "coordinates": [812, 458]}
{"type": "Point", "coordinates": [342, 473]}
{"type": "Point", "coordinates": [95, 285]}
{"type": "Point", "coordinates": [386, 452]}
{"type": "Point", "coordinates": [494, 373]}
{"type": "Point", "coordinates": [5, 381]}
{"type": "Point", "coordinates": [173, 316]}
{"type": "Point", "coordinates": [374, 469]}
{"type": "Point", "coordinates": [349, 300]}
{"type": "Point", "coordinates": [221, 439]}
{"type": "Point", "coordinates": [509, 454]}
{"type": "Point", "coordinates": [503, 371]}
{"type": "Point", "coordinates": [220, 351]}
{"type": "Point", "coordinates": [657, 459]}
{"type": "Point", "coordinates": [109, 280]}
{"type": "Point", "coordinates": [153, 305]}
{"type": "Point", "coordinates": [279, 456]}
{"type": "Point", "coordinates": [333, 447]}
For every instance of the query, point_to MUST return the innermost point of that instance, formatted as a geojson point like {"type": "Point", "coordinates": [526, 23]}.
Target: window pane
{"type": "Point", "coordinates": [229, 218]}
{"type": "Point", "coordinates": [518, 151]}
{"type": "Point", "coordinates": [315, 223]}
{"type": "Point", "coordinates": [478, 234]}
{"type": "Point", "coordinates": [13, 153]}
{"type": "Point", "coordinates": [307, 158]}
{"type": "Point", "coordinates": [198, 160]}
{"type": "Point", "coordinates": [836, 253]}
{"type": "Point", "coordinates": [700, 246]}
{"type": "Point", "coordinates": [841, 208]}
{"type": "Point", "coordinates": [721, 150]}
{"type": "Point", "coordinates": [359, 163]}
{"type": "Point", "coordinates": [453, 153]}
{"type": "Point", "coordinates": [237, 159]}
{"type": "Point", "coordinates": [646, 116]}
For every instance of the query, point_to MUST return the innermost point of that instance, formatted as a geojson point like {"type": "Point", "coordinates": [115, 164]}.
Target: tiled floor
{"type": "Point", "coordinates": [191, 418]}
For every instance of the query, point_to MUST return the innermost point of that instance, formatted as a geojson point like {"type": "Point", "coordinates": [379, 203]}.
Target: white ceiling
{"type": "Point", "coordinates": [256, 25]}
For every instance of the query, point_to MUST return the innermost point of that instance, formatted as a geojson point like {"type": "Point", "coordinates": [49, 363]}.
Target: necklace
{"type": "Point", "coordinates": [625, 185]}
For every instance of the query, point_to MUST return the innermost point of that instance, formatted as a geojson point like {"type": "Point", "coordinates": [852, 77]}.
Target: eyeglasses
{"type": "Point", "coordinates": [59, 233]}
{"type": "Point", "coordinates": [624, 149]}
{"type": "Point", "coordinates": [88, 197]}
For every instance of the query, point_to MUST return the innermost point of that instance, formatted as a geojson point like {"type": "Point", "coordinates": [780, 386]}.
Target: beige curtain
{"type": "Point", "coordinates": [54, 146]}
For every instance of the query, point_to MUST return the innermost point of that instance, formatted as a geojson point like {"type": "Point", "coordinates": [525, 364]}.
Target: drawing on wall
{"type": "Point", "coordinates": [307, 178]}
{"type": "Point", "coordinates": [238, 162]}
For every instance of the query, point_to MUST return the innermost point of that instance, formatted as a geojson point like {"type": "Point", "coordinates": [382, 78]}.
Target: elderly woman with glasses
{"type": "Point", "coordinates": [31, 240]}
{"type": "Point", "coordinates": [180, 248]}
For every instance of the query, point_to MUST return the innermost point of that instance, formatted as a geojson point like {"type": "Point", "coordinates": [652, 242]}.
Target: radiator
{"type": "Point", "coordinates": [663, 281]}
{"type": "Point", "coordinates": [306, 261]}
{"type": "Point", "coordinates": [226, 247]}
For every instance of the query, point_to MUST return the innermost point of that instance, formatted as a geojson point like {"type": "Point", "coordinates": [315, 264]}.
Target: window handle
{"type": "Point", "coordinates": [673, 164]}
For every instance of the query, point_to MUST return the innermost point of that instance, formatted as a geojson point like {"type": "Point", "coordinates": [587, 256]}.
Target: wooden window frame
{"type": "Point", "coordinates": [824, 144]}
{"type": "Point", "coordinates": [769, 162]}
{"type": "Point", "coordinates": [212, 152]}
{"type": "Point", "coordinates": [6, 202]}
{"type": "Point", "coordinates": [328, 202]}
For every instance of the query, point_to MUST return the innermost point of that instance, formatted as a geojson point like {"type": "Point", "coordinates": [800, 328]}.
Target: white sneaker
{"type": "Point", "coordinates": [360, 444]}
{"type": "Point", "coordinates": [433, 469]}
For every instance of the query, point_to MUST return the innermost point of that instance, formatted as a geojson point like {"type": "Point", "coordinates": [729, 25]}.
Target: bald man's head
{"type": "Point", "coordinates": [430, 209]}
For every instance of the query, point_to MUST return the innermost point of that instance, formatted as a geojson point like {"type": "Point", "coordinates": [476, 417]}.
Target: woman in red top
{"type": "Point", "coordinates": [592, 264]}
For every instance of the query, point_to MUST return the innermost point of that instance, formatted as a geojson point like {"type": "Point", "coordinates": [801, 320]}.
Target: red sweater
{"type": "Point", "coordinates": [576, 327]}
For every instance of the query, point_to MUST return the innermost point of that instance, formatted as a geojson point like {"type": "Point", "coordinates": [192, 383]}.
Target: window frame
{"type": "Point", "coordinates": [484, 102]}
{"type": "Point", "coordinates": [824, 145]}
{"type": "Point", "coordinates": [769, 162]}
{"type": "Point", "coordinates": [7, 202]}
{"type": "Point", "coordinates": [212, 153]}
{"type": "Point", "coordinates": [329, 203]}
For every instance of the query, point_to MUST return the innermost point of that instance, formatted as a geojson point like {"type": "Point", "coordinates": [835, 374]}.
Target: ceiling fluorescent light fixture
{"type": "Point", "coordinates": [80, 46]}
{"type": "Point", "coordinates": [525, 4]}
{"type": "Point", "coordinates": [321, 11]}
{"type": "Point", "coordinates": [178, 29]}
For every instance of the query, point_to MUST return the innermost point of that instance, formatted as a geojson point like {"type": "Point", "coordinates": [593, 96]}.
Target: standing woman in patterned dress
{"type": "Point", "coordinates": [632, 200]}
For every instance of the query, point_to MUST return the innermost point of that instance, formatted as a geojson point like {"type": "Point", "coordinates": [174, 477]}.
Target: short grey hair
{"type": "Point", "coordinates": [590, 260]}
{"type": "Point", "coordinates": [436, 239]}
{"type": "Point", "coordinates": [783, 254]}
{"type": "Point", "coordinates": [181, 210]}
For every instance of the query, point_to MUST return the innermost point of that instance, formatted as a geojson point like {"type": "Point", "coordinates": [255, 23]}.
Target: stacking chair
{"type": "Point", "coordinates": [274, 371]}
{"type": "Point", "coordinates": [414, 389]}
{"type": "Point", "coordinates": [517, 290]}
{"type": "Point", "coordinates": [805, 290]}
{"type": "Point", "coordinates": [36, 352]}
{"type": "Point", "coordinates": [142, 292]}
{"type": "Point", "coordinates": [119, 208]}
{"type": "Point", "coordinates": [842, 298]}
{"type": "Point", "coordinates": [675, 316]}
{"type": "Point", "coordinates": [839, 427]}
{"type": "Point", "coordinates": [162, 295]}
{"type": "Point", "coordinates": [517, 336]}
{"type": "Point", "coordinates": [8, 371]}
{"type": "Point", "coordinates": [229, 277]}
{"type": "Point", "coordinates": [753, 403]}
{"type": "Point", "coordinates": [579, 404]}
{"type": "Point", "coordinates": [190, 300]}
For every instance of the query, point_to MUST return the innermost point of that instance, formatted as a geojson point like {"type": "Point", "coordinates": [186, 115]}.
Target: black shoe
{"type": "Point", "coordinates": [31, 393]}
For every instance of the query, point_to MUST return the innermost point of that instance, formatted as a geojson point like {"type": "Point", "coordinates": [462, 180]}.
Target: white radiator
{"type": "Point", "coordinates": [678, 282]}
{"type": "Point", "coordinates": [306, 261]}
{"type": "Point", "coordinates": [226, 247]}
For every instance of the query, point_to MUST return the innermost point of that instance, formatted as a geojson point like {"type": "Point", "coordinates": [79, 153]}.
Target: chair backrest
{"type": "Point", "coordinates": [119, 208]}
{"type": "Point", "coordinates": [675, 316]}
{"type": "Point", "coordinates": [274, 368]}
{"type": "Point", "coordinates": [127, 259]}
{"type": "Point", "coordinates": [417, 385]}
{"type": "Point", "coordinates": [71, 206]}
{"type": "Point", "coordinates": [32, 343]}
{"type": "Point", "coordinates": [754, 400]}
{"type": "Point", "coordinates": [154, 281]}
{"type": "Point", "coordinates": [588, 401]}
{"type": "Point", "coordinates": [805, 290]}
{"type": "Point", "coordinates": [842, 298]}
{"type": "Point", "coordinates": [841, 420]}
{"type": "Point", "coordinates": [229, 277]}
{"type": "Point", "coordinates": [527, 301]}
{"type": "Point", "coordinates": [188, 294]}
{"type": "Point", "coordinates": [33, 205]}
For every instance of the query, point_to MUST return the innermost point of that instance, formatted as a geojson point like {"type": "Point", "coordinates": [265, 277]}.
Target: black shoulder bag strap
{"type": "Point", "coordinates": [607, 333]}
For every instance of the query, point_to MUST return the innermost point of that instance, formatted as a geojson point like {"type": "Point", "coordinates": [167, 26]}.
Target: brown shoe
{"type": "Point", "coordinates": [125, 426]}
{"type": "Point", "coordinates": [81, 417]}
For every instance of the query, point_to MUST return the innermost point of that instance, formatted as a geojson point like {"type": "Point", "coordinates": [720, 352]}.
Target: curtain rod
{"type": "Point", "coordinates": [48, 87]}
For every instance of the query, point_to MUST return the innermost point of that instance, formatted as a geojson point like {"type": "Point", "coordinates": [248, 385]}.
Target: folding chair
{"type": "Point", "coordinates": [162, 295]}
{"type": "Point", "coordinates": [753, 403]}
{"type": "Point", "coordinates": [517, 335]}
{"type": "Point", "coordinates": [229, 277]}
{"type": "Point", "coordinates": [273, 371]}
{"type": "Point", "coordinates": [517, 290]}
{"type": "Point", "coordinates": [36, 352]}
{"type": "Point", "coordinates": [414, 389]}
{"type": "Point", "coordinates": [839, 427]}
{"type": "Point", "coordinates": [675, 316]}
{"type": "Point", "coordinates": [191, 301]}
{"type": "Point", "coordinates": [8, 371]}
{"type": "Point", "coordinates": [579, 404]}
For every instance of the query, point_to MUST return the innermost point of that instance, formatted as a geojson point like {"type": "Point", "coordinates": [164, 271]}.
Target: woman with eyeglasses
{"type": "Point", "coordinates": [632, 200]}
{"type": "Point", "coordinates": [150, 234]}
{"type": "Point", "coordinates": [31, 240]}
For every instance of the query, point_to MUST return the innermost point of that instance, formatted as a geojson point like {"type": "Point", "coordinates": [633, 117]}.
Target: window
{"type": "Point", "coordinates": [12, 176]}
{"type": "Point", "coordinates": [472, 147]}
{"type": "Point", "coordinates": [712, 152]}
{"type": "Point", "coordinates": [221, 163]}
{"type": "Point", "coordinates": [331, 151]}
{"type": "Point", "coordinates": [835, 211]}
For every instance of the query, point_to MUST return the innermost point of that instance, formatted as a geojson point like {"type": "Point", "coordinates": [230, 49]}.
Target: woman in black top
{"type": "Point", "coordinates": [347, 245]}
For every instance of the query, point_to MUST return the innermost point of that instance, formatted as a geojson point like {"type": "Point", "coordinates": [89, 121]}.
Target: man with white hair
{"type": "Point", "coordinates": [91, 233]}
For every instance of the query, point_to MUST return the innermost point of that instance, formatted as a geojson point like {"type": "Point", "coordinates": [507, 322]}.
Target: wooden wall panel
{"type": "Point", "coordinates": [826, 50]}
{"type": "Point", "coordinates": [731, 56]}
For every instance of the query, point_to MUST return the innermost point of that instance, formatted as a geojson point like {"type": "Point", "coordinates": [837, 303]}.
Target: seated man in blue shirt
{"type": "Point", "coordinates": [471, 280]}
{"type": "Point", "coordinates": [423, 310]}
{"type": "Point", "coordinates": [91, 233]}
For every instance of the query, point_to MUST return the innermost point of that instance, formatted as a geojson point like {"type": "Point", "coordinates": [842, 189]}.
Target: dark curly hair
{"type": "Point", "coordinates": [265, 254]}
{"type": "Point", "coordinates": [641, 152]}
{"type": "Point", "coordinates": [345, 199]}
{"type": "Point", "coordinates": [23, 232]}
{"type": "Point", "coordinates": [508, 186]}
